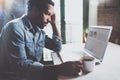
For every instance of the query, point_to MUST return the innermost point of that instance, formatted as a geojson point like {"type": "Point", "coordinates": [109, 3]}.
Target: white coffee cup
{"type": "Point", "coordinates": [88, 64]}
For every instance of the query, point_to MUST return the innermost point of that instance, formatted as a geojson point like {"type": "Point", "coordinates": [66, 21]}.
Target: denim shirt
{"type": "Point", "coordinates": [22, 46]}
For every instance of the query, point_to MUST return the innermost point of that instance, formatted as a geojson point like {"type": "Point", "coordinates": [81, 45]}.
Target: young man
{"type": "Point", "coordinates": [23, 40]}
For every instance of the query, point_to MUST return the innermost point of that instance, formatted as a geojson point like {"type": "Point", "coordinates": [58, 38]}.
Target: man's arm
{"type": "Point", "coordinates": [71, 68]}
{"type": "Point", "coordinates": [54, 26]}
{"type": "Point", "coordinates": [55, 43]}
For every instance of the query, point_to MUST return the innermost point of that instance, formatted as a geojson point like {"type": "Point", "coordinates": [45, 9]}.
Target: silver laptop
{"type": "Point", "coordinates": [95, 45]}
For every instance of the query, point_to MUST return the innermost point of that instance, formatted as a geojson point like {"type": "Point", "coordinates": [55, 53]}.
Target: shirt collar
{"type": "Point", "coordinates": [28, 25]}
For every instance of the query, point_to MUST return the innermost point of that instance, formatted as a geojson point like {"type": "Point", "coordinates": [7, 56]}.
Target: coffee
{"type": "Point", "coordinates": [88, 58]}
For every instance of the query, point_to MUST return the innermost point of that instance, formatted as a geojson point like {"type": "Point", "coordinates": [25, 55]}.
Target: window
{"type": "Point", "coordinates": [73, 17]}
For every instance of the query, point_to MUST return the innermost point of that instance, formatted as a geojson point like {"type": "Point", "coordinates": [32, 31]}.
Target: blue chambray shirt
{"type": "Point", "coordinates": [22, 47]}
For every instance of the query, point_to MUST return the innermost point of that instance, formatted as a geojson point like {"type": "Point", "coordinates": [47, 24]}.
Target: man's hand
{"type": "Point", "coordinates": [53, 19]}
{"type": "Point", "coordinates": [54, 25]}
{"type": "Point", "coordinates": [71, 68]}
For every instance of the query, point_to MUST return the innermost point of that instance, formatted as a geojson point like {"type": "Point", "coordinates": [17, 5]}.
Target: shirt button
{"type": "Point", "coordinates": [37, 46]}
{"type": "Point", "coordinates": [57, 40]}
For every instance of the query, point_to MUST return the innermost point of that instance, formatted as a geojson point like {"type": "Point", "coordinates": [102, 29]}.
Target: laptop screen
{"type": "Point", "coordinates": [97, 40]}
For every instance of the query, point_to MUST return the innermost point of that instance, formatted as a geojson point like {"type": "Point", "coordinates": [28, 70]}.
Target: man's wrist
{"type": "Point", "coordinates": [50, 72]}
{"type": "Point", "coordinates": [54, 69]}
{"type": "Point", "coordinates": [53, 24]}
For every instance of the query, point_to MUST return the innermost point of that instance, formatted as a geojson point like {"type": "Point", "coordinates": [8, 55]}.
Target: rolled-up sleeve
{"type": "Point", "coordinates": [54, 44]}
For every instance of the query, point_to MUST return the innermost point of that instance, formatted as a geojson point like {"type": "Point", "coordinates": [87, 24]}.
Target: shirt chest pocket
{"type": "Point", "coordinates": [39, 46]}
{"type": "Point", "coordinates": [29, 47]}
{"type": "Point", "coordinates": [33, 49]}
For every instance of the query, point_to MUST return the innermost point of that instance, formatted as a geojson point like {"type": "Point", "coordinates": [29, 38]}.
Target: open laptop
{"type": "Point", "coordinates": [95, 46]}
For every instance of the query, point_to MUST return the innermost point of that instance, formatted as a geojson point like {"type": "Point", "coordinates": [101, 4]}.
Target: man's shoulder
{"type": "Point", "coordinates": [15, 24]}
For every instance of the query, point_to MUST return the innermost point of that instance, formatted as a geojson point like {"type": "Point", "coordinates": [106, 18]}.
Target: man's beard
{"type": "Point", "coordinates": [41, 26]}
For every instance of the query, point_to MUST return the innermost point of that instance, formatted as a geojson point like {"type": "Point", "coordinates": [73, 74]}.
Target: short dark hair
{"type": "Point", "coordinates": [40, 4]}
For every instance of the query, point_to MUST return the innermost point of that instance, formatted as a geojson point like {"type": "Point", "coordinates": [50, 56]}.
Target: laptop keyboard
{"type": "Point", "coordinates": [56, 59]}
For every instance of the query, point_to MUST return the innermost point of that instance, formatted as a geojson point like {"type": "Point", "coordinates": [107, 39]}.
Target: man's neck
{"type": "Point", "coordinates": [32, 21]}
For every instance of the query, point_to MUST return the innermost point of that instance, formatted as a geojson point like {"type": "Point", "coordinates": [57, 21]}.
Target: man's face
{"type": "Point", "coordinates": [45, 16]}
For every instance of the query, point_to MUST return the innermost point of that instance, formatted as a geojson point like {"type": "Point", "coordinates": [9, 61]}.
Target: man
{"type": "Point", "coordinates": [23, 40]}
